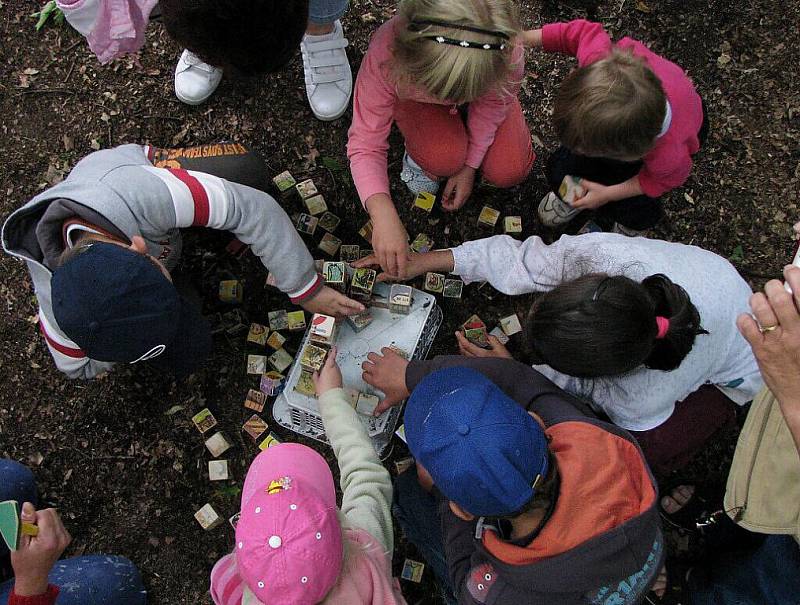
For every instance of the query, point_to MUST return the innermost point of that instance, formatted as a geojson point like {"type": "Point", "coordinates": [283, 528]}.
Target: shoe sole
{"type": "Point", "coordinates": [188, 101]}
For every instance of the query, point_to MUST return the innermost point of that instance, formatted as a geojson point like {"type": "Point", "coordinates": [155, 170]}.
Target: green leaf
{"type": "Point", "coordinates": [231, 491]}
{"type": "Point", "coordinates": [48, 10]}
{"type": "Point", "coordinates": [332, 164]}
{"type": "Point", "coordinates": [174, 410]}
{"type": "Point", "coordinates": [737, 255]}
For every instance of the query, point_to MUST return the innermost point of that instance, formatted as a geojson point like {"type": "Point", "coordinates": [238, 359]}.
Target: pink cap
{"type": "Point", "coordinates": [288, 539]}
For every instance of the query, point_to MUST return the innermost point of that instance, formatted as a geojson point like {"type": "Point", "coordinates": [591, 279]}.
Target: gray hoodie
{"type": "Point", "coordinates": [119, 192]}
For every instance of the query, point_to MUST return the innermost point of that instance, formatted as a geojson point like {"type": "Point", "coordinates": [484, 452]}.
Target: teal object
{"type": "Point", "coordinates": [10, 523]}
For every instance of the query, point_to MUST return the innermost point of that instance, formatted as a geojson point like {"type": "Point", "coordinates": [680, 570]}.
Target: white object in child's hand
{"type": "Point", "coordinates": [795, 260]}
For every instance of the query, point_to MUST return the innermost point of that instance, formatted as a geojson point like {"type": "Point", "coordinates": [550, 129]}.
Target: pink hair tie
{"type": "Point", "coordinates": [663, 327]}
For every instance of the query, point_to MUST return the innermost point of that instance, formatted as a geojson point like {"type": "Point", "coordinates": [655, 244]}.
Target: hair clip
{"type": "Point", "coordinates": [466, 43]}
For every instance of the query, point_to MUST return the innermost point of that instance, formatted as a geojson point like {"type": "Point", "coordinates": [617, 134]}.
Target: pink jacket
{"type": "Point", "coordinates": [366, 580]}
{"type": "Point", "coordinates": [669, 163]}
{"type": "Point", "coordinates": [373, 112]}
{"type": "Point", "coordinates": [113, 28]}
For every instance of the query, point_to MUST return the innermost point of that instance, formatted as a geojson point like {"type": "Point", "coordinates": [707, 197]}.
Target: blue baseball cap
{"type": "Point", "coordinates": [117, 305]}
{"type": "Point", "coordinates": [483, 450]}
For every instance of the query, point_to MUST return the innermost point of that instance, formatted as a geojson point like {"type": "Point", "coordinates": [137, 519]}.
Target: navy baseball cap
{"type": "Point", "coordinates": [483, 450]}
{"type": "Point", "coordinates": [117, 305]}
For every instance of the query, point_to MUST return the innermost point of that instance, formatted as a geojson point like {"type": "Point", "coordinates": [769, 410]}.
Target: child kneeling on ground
{"type": "Point", "coordinates": [629, 122]}
{"type": "Point", "coordinates": [551, 506]}
{"type": "Point", "coordinates": [292, 545]}
{"type": "Point", "coordinates": [448, 73]}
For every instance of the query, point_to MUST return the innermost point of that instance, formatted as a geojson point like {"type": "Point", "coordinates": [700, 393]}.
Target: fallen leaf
{"type": "Point", "coordinates": [30, 71]}
{"type": "Point", "coordinates": [174, 410]}
{"type": "Point", "coordinates": [642, 7]}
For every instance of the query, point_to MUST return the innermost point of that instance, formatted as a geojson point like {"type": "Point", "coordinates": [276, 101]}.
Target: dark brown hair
{"type": "Point", "coordinates": [601, 325]}
{"type": "Point", "coordinates": [613, 108]}
{"type": "Point", "coordinates": [245, 36]}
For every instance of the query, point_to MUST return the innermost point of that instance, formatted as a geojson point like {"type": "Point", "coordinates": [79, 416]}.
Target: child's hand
{"type": "Point", "coordinates": [36, 555]}
{"type": "Point", "coordinates": [468, 349]}
{"type": "Point", "coordinates": [458, 188]}
{"type": "Point", "coordinates": [330, 302]}
{"type": "Point", "coordinates": [596, 195]}
{"type": "Point", "coordinates": [386, 372]}
{"type": "Point", "coordinates": [531, 38]}
{"type": "Point", "coordinates": [330, 377]}
{"type": "Point", "coordinates": [415, 267]}
{"type": "Point", "coordinates": [389, 236]}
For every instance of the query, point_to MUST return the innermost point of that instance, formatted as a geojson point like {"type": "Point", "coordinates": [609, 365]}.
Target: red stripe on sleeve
{"type": "Point", "coordinates": [68, 351]}
{"type": "Point", "coordinates": [199, 196]}
{"type": "Point", "coordinates": [46, 598]}
{"type": "Point", "coordinates": [310, 292]}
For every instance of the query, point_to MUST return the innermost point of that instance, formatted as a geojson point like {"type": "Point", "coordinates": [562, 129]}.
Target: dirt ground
{"type": "Point", "coordinates": [126, 468]}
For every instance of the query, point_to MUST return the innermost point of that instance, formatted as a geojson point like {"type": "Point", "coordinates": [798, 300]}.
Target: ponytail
{"type": "Point", "coordinates": [672, 302]}
{"type": "Point", "coordinates": [601, 325]}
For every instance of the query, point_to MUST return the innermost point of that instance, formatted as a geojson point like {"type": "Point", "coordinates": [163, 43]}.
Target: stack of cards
{"type": "Point", "coordinates": [422, 243]}
{"type": "Point", "coordinates": [217, 470]}
{"type": "Point", "coordinates": [256, 364]}
{"type": "Point", "coordinates": [323, 329]}
{"type": "Point", "coordinates": [511, 325]}
{"type": "Point", "coordinates": [296, 321]}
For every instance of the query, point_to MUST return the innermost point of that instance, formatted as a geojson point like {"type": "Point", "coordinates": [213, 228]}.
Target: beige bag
{"type": "Point", "coordinates": [763, 493]}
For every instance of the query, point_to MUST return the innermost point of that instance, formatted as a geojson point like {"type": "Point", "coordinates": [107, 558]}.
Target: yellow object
{"type": "Point", "coordinates": [425, 201]}
{"type": "Point", "coordinates": [29, 529]}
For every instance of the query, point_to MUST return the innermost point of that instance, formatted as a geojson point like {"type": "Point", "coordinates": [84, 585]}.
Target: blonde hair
{"type": "Point", "coordinates": [450, 72]}
{"type": "Point", "coordinates": [613, 108]}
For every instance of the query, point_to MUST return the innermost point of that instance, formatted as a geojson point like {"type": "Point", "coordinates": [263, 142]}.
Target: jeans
{"type": "Point", "coordinates": [322, 12]}
{"type": "Point", "coordinates": [768, 576]}
{"type": "Point", "coordinates": [417, 513]}
{"type": "Point", "coordinates": [90, 580]}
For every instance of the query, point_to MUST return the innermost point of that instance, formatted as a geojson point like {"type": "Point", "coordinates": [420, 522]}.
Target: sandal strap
{"type": "Point", "coordinates": [337, 76]}
{"type": "Point", "coordinates": [316, 61]}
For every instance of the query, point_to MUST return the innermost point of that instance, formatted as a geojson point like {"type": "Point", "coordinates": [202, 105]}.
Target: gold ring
{"type": "Point", "coordinates": [765, 329]}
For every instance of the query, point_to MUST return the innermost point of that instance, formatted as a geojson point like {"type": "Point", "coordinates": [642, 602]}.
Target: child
{"type": "Point", "coordinates": [629, 122]}
{"type": "Point", "coordinates": [101, 247]}
{"type": "Point", "coordinates": [555, 508]}
{"type": "Point", "coordinates": [237, 36]}
{"type": "Point", "coordinates": [38, 577]}
{"type": "Point", "coordinates": [642, 328]}
{"type": "Point", "coordinates": [292, 545]}
{"type": "Point", "coordinates": [448, 73]}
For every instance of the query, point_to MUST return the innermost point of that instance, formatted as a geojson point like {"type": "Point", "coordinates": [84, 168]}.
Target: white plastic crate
{"type": "Point", "coordinates": [412, 333]}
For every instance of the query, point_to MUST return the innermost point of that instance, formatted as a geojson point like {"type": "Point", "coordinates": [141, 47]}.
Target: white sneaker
{"type": "Point", "coordinates": [329, 81]}
{"type": "Point", "coordinates": [195, 81]}
{"type": "Point", "coordinates": [554, 212]}
{"type": "Point", "coordinates": [415, 177]}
